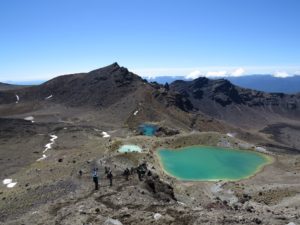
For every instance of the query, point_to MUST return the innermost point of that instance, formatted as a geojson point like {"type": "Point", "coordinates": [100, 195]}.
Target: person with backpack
{"type": "Point", "coordinates": [126, 173]}
{"type": "Point", "coordinates": [95, 178]}
{"type": "Point", "coordinates": [110, 177]}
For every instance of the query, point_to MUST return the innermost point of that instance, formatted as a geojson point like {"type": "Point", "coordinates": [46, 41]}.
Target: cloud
{"type": "Point", "coordinates": [238, 72]}
{"type": "Point", "coordinates": [217, 71]}
{"type": "Point", "coordinates": [150, 77]}
{"type": "Point", "coordinates": [281, 74]}
{"type": "Point", "coordinates": [193, 75]}
{"type": "Point", "coordinates": [221, 73]}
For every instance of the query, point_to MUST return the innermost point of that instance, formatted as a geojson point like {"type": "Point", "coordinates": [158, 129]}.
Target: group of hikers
{"type": "Point", "coordinates": [108, 173]}
{"type": "Point", "coordinates": [141, 171]}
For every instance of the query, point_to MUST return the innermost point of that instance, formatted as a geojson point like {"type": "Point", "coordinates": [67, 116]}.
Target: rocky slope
{"type": "Point", "coordinates": [109, 86]}
{"type": "Point", "coordinates": [112, 97]}
{"type": "Point", "coordinates": [79, 121]}
{"type": "Point", "coordinates": [99, 88]}
{"type": "Point", "coordinates": [239, 106]}
{"type": "Point", "coordinates": [111, 93]}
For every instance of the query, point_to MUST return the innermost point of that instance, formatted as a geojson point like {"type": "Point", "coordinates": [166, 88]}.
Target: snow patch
{"type": "Point", "coordinates": [261, 149]}
{"type": "Point", "coordinates": [9, 183]}
{"type": "Point", "coordinates": [136, 112]}
{"type": "Point", "coordinates": [29, 118]}
{"type": "Point", "coordinates": [50, 96]}
{"type": "Point", "coordinates": [18, 99]}
{"type": "Point", "coordinates": [6, 181]}
{"type": "Point", "coordinates": [231, 135]}
{"type": "Point", "coordinates": [42, 158]}
{"type": "Point", "coordinates": [181, 203]}
{"type": "Point", "coordinates": [53, 137]}
{"type": "Point", "coordinates": [105, 134]}
{"type": "Point", "coordinates": [48, 146]}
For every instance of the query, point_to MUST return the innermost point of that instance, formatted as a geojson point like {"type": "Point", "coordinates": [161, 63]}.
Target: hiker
{"type": "Point", "coordinates": [80, 173]}
{"type": "Point", "coordinates": [151, 184]}
{"type": "Point", "coordinates": [107, 169]}
{"type": "Point", "coordinates": [139, 172]}
{"type": "Point", "coordinates": [144, 165]}
{"type": "Point", "coordinates": [95, 178]}
{"type": "Point", "coordinates": [126, 173]}
{"type": "Point", "coordinates": [132, 170]}
{"type": "Point", "coordinates": [110, 177]}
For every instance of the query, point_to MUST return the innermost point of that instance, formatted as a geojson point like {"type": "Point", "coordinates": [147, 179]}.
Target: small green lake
{"type": "Point", "coordinates": [148, 129]}
{"type": "Point", "coordinates": [211, 163]}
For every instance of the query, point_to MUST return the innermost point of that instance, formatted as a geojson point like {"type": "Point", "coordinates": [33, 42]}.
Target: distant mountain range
{"type": "Point", "coordinates": [259, 82]}
{"type": "Point", "coordinates": [266, 83]}
{"type": "Point", "coordinates": [6, 87]}
{"type": "Point", "coordinates": [25, 82]}
{"type": "Point", "coordinates": [114, 97]}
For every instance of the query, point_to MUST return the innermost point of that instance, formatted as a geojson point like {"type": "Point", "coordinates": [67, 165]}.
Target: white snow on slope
{"type": "Point", "coordinates": [261, 149]}
{"type": "Point", "coordinates": [29, 118]}
{"type": "Point", "coordinates": [6, 181]}
{"type": "Point", "coordinates": [50, 96]}
{"type": "Point", "coordinates": [42, 158]}
{"type": "Point", "coordinates": [9, 183]}
{"type": "Point", "coordinates": [18, 99]}
{"type": "Point", "coordinates": [105, 134]}
{"type": "Point", "coordinates": [52, 141]}
{"type": "Point", "coordinates": [48, 146]}
{"type": "Point", "coordinates": [231, 135]}
{"type": "Point", "coordinates": [181, 203]}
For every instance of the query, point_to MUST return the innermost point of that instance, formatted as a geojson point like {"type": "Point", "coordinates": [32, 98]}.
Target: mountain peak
{"type": "Point", "coordinates": [109, 68]}
{"type": "Point", "coordinates": [114, 65]}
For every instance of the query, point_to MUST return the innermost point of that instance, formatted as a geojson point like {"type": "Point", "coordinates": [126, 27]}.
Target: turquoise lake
{"type": "Point", "coordinates": [148, 129]}
{"type": "Point", "coordinates": [211, 163]}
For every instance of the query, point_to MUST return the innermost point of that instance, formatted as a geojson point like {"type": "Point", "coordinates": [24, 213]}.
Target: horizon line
{"type": "Point", "coordinates": [150, 78]}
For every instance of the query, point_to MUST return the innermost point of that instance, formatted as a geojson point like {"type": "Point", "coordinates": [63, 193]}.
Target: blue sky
{"type": "Point", "coordinates": [41, 39]}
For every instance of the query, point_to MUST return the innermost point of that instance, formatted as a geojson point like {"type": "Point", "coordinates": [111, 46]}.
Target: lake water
{"type": "Point", "coordinates": [148, 129]}
{"type": "Point", "coordinates": [211, 163]}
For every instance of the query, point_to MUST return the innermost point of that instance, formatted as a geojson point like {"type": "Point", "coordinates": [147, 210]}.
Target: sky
{"type": "Point", "coordinates": [41, 39]}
